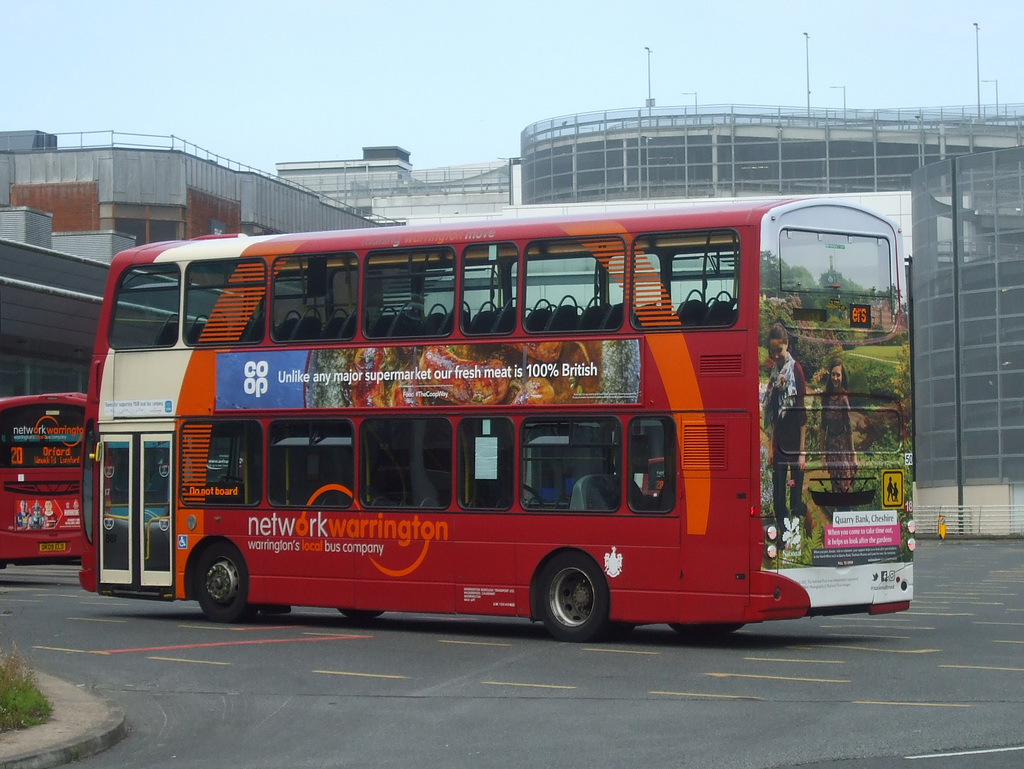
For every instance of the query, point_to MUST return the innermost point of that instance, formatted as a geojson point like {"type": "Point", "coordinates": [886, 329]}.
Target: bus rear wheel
{"type": "Point", "coordinates": [574, 598]}
{"type": "Point", "coordinates": [222, 584]}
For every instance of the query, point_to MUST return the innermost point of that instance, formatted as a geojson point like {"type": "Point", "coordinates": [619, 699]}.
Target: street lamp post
{"type": "Point", "coordinates": [844, 98]}
{"type": "Point", "coordinates": [650, 99]}
{"type": "Point", "coordinates": [807, 66]}
{"type": "Point", "coordinates": [977, 64]}
{"type": "Point", "coordinates": [996, 82]}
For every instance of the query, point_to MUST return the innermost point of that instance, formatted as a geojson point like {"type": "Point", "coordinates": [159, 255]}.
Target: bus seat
{"type": "Point", "coordinates": [286, 328]}
{"type": "Point", "coordinates": [506, 320]}
{"type": "Point", "coordinates": [721, 313]}
{"type": "Point", "coordinates": [168, 332]}
{"type": "Point", "coordinates": [196, 330]}
{"type": "Point", "coordinates": [348, 329]}
{"type": "Point", "coordinates": [594, 317]}
{"type": "Point", "coordinates": [614, 319]}
{"type": "Point", "coordinates": [483, 322]}
{"type": "Point", "coordinates": [595, 492]}
{"type": "Point", "coordinates": [406, 324]}
{"type": "Point", "coordinates": [691, 313]}
{"type": "Point", "coordinates": [565, 318]}
{"type": "Point", "coordinates": [538, 319]}
{"type": "Point", "coordinates": [334, 325]}
{"type": "Point", "coordinates": [309, 327]}
{"type": "Point", "coordinates": [381, 327]}
{"type": "Point", "coordinates": [434, 324]}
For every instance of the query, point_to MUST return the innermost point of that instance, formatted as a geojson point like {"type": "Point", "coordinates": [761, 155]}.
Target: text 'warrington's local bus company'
{"type": "Point", "coordinates": [697, 417]}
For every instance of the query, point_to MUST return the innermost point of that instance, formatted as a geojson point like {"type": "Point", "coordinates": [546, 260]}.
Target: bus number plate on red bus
{"type": "Point", "coordinates": [53, 547]}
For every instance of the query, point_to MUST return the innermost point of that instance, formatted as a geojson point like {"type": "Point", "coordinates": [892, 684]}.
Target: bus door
{"type": "Point", "coordinates": [135, 530]}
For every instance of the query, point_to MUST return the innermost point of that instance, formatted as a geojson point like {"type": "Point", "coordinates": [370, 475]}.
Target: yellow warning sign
{"type": "Point", "coordinates": [892, 489]}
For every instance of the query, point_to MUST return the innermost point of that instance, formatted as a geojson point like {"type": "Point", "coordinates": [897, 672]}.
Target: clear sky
{"type": "Point", "coordinates": [456, 81]}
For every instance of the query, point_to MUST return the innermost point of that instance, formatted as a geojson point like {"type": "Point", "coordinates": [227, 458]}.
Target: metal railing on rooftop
{"type": "Point", "coordinates": [86, 140]}
{"type": "Point", "coordinates": [1006, 116]}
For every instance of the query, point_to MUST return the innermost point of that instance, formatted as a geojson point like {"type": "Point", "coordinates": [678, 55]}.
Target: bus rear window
{"type": "Point", "coordinates": [837, 281]}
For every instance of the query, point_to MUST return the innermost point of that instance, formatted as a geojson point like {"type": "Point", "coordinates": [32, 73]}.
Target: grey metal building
{"type": "Point", "coordinates": [968, 284]}
{"type": "Point", "coordinates": [69, 202]}
{"type": "Point", "coordinates": [729, 151]}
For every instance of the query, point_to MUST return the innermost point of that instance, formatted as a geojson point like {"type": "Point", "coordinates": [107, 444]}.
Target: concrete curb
{"type": "Point", "coordinates": [80, 725]}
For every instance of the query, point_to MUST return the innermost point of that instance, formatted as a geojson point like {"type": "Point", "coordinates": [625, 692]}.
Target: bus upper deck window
{"type": "Point", "coordinates": [146, 308]}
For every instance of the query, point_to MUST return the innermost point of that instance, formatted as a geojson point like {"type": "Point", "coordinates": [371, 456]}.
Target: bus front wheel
{"type": "Point", "coordinates": [222, 584]}
{"type": "Point", "coordinates": [574, 598]}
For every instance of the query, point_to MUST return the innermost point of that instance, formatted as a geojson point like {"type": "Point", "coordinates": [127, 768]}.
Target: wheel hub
{"type": "Point", "coordinates": [222, 581]}
{"type": "Point", "coordinates": [572, 598]}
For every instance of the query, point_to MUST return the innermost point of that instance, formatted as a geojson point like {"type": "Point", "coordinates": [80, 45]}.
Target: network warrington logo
{"type": "Point", "coordinates": [255, 382]}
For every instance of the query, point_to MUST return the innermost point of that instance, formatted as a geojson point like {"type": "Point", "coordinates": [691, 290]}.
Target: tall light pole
{"type": "Point", "coordinates": [650, 99]}
{"type": "Point", "coordinates": [997, 93]}
{"type": "Point", "coordinates": [807, 65]}
{"type": "Point", "coordinates": [977, 64]}
{"type": "Point", "coordinates": [844, 99]}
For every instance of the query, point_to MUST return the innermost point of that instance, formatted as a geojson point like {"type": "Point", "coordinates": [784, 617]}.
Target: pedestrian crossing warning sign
{"type": "Point", "coordinates": [892, 489]}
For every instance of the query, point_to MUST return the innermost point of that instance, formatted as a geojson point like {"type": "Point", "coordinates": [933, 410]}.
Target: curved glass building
{"type": "Point", "coordinates": [968, 325]}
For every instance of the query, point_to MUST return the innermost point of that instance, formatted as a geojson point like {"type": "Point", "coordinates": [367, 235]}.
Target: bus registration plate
{"type": "Point", "coordinates": [53, 547]}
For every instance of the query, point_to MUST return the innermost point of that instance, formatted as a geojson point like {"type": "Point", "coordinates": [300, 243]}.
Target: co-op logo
{"type": "Point", "coordinates": [255, 382]}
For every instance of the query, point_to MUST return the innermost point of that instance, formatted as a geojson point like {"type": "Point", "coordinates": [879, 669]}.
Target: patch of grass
{"type": "Point", "coordinates": [21, 703]}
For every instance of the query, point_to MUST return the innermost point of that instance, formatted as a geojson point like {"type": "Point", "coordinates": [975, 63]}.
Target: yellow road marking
{"type": "Point", "coordinates": [197, 662]}
{"type": "Point", "coordinates": [916, 704]}
{"type": "Point", "coordinates": [472, 643]}
{"type": "Point", "coordinates": [982, 667]}
{"type": "Point", "coordinates": [99, 619]}
{"type": "Point", "coordinates": [530, 686]}
{"type": "Point", "coordinates": [359, 675]}
{"type": "Point", "coordinates": [69, 651]}
{"type": "Point", "coordinates": [780, 678]}
{"type": "Point", "coordinates": [620, 651]}
{"type": "Point", "coordinates": [1011, 624]}
{"type": "Point", "coordinates": [814, 662]}
{"type": "Point", "coordinates": [709, 696]}
{"type": "Point", "coordinates": [874, 649]}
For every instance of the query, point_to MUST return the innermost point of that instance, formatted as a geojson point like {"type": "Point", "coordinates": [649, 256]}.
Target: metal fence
{"type": "Point", "coordinates": [955, 521]}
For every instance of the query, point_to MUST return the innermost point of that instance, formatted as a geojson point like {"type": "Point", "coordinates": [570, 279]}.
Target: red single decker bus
{"type": "Point", "coordinates": [698, 417]}
{"type": "Point", "coordinates": [40, 472]}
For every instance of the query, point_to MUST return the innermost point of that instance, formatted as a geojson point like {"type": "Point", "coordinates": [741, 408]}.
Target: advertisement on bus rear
{"type": "Point", "coordinates": [835, 407]}
{"type": "Point", "coordinates": [41, 514]}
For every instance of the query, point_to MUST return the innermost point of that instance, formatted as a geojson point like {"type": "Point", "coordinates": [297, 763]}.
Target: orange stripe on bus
{"type": "Point", "coordinates": [682, 387]}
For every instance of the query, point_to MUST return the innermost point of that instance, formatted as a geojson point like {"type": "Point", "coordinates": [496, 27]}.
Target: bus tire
{"type": "Point", "coordinates": [574, 599]}
{"type": "Point", "coordinates": [222, 584]}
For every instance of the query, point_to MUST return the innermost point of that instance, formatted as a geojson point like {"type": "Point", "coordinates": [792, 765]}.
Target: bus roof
{"type": "Point", "coordinates": [717, 214]}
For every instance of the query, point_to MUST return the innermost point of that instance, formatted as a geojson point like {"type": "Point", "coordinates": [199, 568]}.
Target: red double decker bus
{"type": "Point", "coordinates": [594, 422]}
{"type": "Point", "coordinates": [40, 477]}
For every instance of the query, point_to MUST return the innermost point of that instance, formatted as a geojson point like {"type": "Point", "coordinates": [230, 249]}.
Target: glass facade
{"type": "Point", "coordinates": [968, 285]}
{"type": "Point", "coordinates": [729, 151]}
